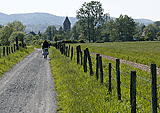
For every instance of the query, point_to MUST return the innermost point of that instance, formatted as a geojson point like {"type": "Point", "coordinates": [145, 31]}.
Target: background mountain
{"type": "Point", "coordinates": [35, 21]}
{"type": "Point", "coordinates": [40, 21]}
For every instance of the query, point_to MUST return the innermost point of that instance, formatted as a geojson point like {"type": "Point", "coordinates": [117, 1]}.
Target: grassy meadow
{"type": "Point", "coordinates": [144, 52]}
{"type": "Point", "coordinates": [79, 92]}
{"type": "Point", "coordinates": [7, 62]}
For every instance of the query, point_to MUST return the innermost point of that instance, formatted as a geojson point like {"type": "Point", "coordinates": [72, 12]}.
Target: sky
{"type": "Point", "coordinates": [147, 9]}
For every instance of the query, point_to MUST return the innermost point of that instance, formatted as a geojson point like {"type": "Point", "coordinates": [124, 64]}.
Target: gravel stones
{"type": "Point", "coordinates": [28, 87]}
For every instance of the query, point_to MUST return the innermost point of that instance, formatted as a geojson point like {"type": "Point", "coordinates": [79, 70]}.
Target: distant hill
{"type": "Point", "coordinates": [144, 21]}
{"type": "Point", "coordinates": [40, 21]}
{"type": "Point", "coordinates": [35, 19]}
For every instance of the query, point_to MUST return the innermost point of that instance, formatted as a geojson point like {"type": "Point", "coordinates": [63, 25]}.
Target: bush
{"type": "Point", "coordinates": [69, 41]}
{"type": "Point", "coordinates": [81, 41]}
{"type": "Point", "coordinates": [99, 41]}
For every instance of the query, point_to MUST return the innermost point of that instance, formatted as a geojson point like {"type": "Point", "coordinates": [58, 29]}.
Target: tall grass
{"type": "Point", "coordinates": [8, 61]}
{"type": "Point", "coordinates": [139, 52]}
{"type": "Point", "coordinates": [80, 92]}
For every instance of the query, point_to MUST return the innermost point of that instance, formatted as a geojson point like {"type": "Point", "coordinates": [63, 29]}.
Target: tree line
{"type": "Point", "coordinates": [9, 33]}
{"type": "Point", "coordinates": [95, 26]}
{"type": "Point", "coordinates": [92, 26]}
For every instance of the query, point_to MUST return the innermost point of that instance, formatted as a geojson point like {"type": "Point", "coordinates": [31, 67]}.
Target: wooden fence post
{"type": "Point", "coordinates": [81, 58]}
{"type": "Point", "coordinates": [101, 69]}
{"type": "Point", "coordinates": [14, 47]}
{"type": "Point", "coordinates": [77, 48]}
{"type": "Point", "coordinates": [17, 47]}
{"type": "Point", "coordinates": [3, 51]}
{"type": "Point", "coordinates": [56, 45]}
{"type": "Point", "coordinates": [67, 51]}
{"type": "Point", "coordinates": [80, 52]}
{"type": "Point", "coordinates": [22, 43]}
{"type": "Point", "coordinates": [61, 49]}
{"type": "Point", "coordinates": [118, 79]}
{"type": "Point", "coordinates": [7, 50]}
{"type": "Point", "coordinates": [71, 52]}
{"type": "Point", "coordinates": [90, 62]}
{"type": "Point", "coordinates": [97, 65]}
{"type": "Point", "coordinates": [133, 91]}
{"type": "Point", "coordinates": [109, 69]}
{"type": "Point", "coordinates": [0, 52]}
{"type": "Point", "coordinates": [85, 61]}
{"type": "Point", "coordinates": [154, 87]}
{"type": "Point", "coordinates": [59, 46]}
{"type": "Point", "coordinates": [64, 45]}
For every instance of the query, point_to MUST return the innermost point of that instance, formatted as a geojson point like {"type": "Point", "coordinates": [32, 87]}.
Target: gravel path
{"type": "Point", "coordinates": [28, 87]}
{"type": "Point", "coordinates": [133, 64]}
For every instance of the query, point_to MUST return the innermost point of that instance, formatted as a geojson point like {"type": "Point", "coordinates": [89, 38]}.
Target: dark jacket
{"type": "Point", "coordinates": [45, 44]}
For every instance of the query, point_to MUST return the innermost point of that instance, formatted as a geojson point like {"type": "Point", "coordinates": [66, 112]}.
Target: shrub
{"type": "Point", "coordinates": [99, 41]}
{"type": "Point", "coordinates": [81, 41]}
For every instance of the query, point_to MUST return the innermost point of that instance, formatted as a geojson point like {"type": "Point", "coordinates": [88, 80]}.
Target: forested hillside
{"type": "Point", "coordinates": [40, 21]}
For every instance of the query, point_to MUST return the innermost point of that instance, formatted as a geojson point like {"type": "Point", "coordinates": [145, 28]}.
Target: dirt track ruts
{"type": "Point", "coordinates": [133, 64]}
{"type": "Point", "coordinates": [28, 87]}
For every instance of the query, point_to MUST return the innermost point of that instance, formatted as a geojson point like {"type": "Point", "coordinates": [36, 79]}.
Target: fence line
{"type": "Point", "coordinates": [8, 50]}
{"type": "Point", "coordinates": [133, 76]}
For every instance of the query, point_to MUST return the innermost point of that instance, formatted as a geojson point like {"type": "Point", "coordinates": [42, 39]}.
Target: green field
{"type": "Point", "coordinates": [7, 62]}
{"type": "Point", "coordinates": [80, 92]}
{"type": "Point", "coordinates": [139, 52]}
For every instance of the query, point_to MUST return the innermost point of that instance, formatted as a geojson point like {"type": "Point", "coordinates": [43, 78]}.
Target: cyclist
{"type": "Point", "coordinates": [45, 45]}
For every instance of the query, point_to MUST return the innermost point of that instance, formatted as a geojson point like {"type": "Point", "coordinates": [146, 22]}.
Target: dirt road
{"type": "Point", "coordinates": [28, 87]}
{"type": "Point", "coordinates": [133, 64]}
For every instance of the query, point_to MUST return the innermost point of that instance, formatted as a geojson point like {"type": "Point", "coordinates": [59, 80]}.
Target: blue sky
{"type": "Point", "coordinates": [148, 9]}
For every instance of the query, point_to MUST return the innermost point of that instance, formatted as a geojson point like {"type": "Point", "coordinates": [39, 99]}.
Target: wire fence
{"type": "Point", "coordinates": [97, 64]}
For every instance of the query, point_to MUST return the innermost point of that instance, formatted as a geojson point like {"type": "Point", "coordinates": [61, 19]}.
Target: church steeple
{"type": "Point", "coordinates": [67, 24]}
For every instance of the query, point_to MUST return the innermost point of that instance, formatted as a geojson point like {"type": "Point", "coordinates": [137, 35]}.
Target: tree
{"type": "Point", "coordinates": [81, 37]}
{"type": "Point", "coordinates": [158, 34]}
{"type": "Point", "coordinates": [1, 26]}
{"type": "Point", "coordinates": [55, 38]}
{"type": "Point", "coordinates": [28, 38]}
{"type": "Point", "coordinates": [16, 26]}
{"type": "Point", "coordinates": [110, 28]}
{"type": "Point", "coordinates": [51, 32]}
{"type": "Point", "coordinates": [60, 30]}
{"type": "Point", "coordinates": [10, 31]}
{"type": "Point", "coordinates": [37, 37]}
{"type": "Point", "coordinates": [149, 36]}
{"type": "Point", "coordinates": [39, 33]}
{"type": "Point", "coordinates": [151, 28]}
{"type": "Point", "coordinates": [75, 31]}
{"type": "Point", "coordinates": [139, 30]}
{"type": "Point", "coordinates": [126, 27]}
{"type": "Point", "coordinates": [60, 37]}
{"type": "Point", "coordinates": [4, 35]}
{"type": "Point", "coordinates": [44, 36]}
{"type": "Point", "coordinates": [67, 34]}
{"type": "Point", "coordinates": [122, 29]}
{"type": "Point", "coordinates": [156, 24]}
{"type": "Point", "coordinates": [19, 34]}
{"type": "Point", "coordinates": [90, 17]}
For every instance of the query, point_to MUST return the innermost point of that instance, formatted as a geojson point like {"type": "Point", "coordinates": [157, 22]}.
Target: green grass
{"type": "Point", "coordinates": [80, 92]}
{"type": "Point", "coordinates": [139, 52]}
{"type": "Point", "coordinates": [7, 62]}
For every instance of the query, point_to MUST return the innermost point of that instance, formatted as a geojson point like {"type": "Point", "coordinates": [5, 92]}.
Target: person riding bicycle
{"type": "Point", "coordinates": [45, 45]}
